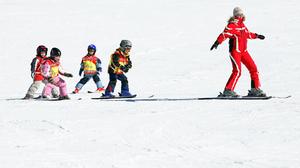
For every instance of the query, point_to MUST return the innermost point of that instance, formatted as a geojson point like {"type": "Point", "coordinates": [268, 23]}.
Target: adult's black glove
{"type": "Point", "coordinates": [262, 37]}
{"type": "Point", "coordinates": [215, 45]}
{"type": "Point", "coordinates": [68, 75]}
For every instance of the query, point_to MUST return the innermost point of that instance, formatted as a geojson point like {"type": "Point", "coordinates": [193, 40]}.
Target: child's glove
{"type": "Point", "coordinates": [99, 69]}
{"type": "Point", "coordinates": [68, 75]}
{"type": "Point", "coordinates": [124, 68]}
{"type": "Point", "coordinates": [80, 72]}
{"type": "Point", "coordinates": [128, 66]}
{"type": "Point", "coordinates": [50, 80]}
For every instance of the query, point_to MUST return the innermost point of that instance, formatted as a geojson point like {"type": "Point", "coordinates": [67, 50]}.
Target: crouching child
{"type": "Point", "coordinates": [51, 70]}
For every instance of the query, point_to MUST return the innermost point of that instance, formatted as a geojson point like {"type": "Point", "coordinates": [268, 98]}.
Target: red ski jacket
{"type": "Point", "coordinates": [36, 68]}
{"type": "Point", "coordinates": [238, 34]}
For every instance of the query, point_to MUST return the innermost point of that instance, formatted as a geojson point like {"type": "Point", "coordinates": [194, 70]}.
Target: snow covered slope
{"type": "Point", "coordinates": [171, 58]}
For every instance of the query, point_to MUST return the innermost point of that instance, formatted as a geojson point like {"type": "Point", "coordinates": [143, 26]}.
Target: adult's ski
{"type": "Point", "coordinates": [201, 98]}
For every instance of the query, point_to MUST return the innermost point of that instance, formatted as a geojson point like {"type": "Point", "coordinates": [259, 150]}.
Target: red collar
{"type": "Point", "coordinates": [240, 19]}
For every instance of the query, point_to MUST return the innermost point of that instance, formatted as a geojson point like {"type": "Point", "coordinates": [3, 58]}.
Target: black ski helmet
{"type": "Point", "coordinates": [41, 48]}
{"type": "Point", "coordinates": [55, 52]}
{"type": "Point", "coordinates": [125, 44]}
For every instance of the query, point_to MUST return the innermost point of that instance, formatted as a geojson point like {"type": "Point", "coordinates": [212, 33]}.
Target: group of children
{"type": "Point", "coordinates": [47, 70]}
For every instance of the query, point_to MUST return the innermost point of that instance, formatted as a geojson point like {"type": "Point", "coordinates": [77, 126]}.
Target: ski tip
{"type": "Point", "coordinates": [282, 97]}
{"type": "Point", "coordinates": [150, 96]}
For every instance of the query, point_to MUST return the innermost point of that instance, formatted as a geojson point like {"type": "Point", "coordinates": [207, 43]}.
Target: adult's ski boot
{"type": "Point", "coordinates": [256, 92]}
{"type": "Point", "coordinates": [228, 93]}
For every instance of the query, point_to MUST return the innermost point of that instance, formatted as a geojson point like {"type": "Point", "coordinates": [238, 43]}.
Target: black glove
{"type": "Point", "coordinates": [215, 45]}
{"type": "Point", "coordinates": [80, 72]}
{"type": "Point", "coordinates": [128, 66]}
{"type": "Point", "coordinates": [68, 75]}
{"type": "Point", "coordinates": [262, 37]}
{"type": "Point", "coordinates": [124, 68]}
{"type": "Point", "coordinates": [50, 80]}
{"type": "Point", "coordinates": [32, 75]}
{"type": "Point", "coordinates": [99, 69]}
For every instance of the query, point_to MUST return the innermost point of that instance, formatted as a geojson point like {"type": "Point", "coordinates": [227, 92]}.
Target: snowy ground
{"type": "Point", "coordinates": [171, 58]}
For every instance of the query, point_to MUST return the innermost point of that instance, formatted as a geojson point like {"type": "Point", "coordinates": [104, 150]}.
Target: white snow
{"type": "Point", "coordinates": [171, 58]}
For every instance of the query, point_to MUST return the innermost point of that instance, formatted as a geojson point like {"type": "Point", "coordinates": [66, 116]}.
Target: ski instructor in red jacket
{"type": "Point", "coordinates": [238, 35]}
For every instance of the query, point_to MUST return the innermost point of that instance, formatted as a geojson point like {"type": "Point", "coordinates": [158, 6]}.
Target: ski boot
{"type": "Point", "coordinates": [44, 97]}
{"type": "Point", "coordinates": [228, 93]}
{"type": "Point", "coordinates": [99, 90]}
{"type": "Point", "coordinates": [107, 95]}
{"type": "Point", "coordinates": [76, 91]}
{"type": "Point", "coordinates": [64, 97]}
{"type": "Point", "coordinates": [27, 96]}
{"type": "Point", "coordinates": [256, 92]}
{"type": "Point", "coordinates": [55, 96]}
{"type": "Point", "coordinates": [125, 94]}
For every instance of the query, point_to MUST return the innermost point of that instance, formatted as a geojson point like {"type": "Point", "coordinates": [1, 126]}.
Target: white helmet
{"type": "Point", "coordinates": [237, 11]}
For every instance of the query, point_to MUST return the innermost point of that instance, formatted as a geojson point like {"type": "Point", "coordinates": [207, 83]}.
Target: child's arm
{"type": "Point", "coordinates": [62, 72]}
{"type": "Point", "coordinates": [98, 65]}
{"type": "Point", "coordinates": [81, 68]}
{"type": "Point", "coordinates": [33, 66]}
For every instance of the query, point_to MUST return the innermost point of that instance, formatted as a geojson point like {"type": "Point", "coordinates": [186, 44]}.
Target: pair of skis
{"type": "Point", "coordinates": [151, 98]}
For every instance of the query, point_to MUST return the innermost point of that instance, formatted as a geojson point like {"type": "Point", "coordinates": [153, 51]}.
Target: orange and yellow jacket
{"type": "Point", "coordinates": [118, 62]}
{"type": "Point", "coordinates": [90, 65]}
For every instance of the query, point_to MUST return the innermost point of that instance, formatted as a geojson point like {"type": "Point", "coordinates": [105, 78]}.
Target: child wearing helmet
{"type": "Point", "coordinates": [51, 69]}
{"type": "Point", "coordinates": [91, 67]}
{"type": "Point", "coordinates": [238, 34]}
{"type": "Point", "coordinates": [36, 74]}
{"type": "Point", "coordinates": [120, 64]}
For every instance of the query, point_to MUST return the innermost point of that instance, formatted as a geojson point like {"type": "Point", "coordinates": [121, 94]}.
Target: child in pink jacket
{"type": "Point", "coordinates": [51, 70]}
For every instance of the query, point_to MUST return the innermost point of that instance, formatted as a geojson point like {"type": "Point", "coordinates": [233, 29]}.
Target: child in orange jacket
{"type": "Point", "coordinates": [91, 66]}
